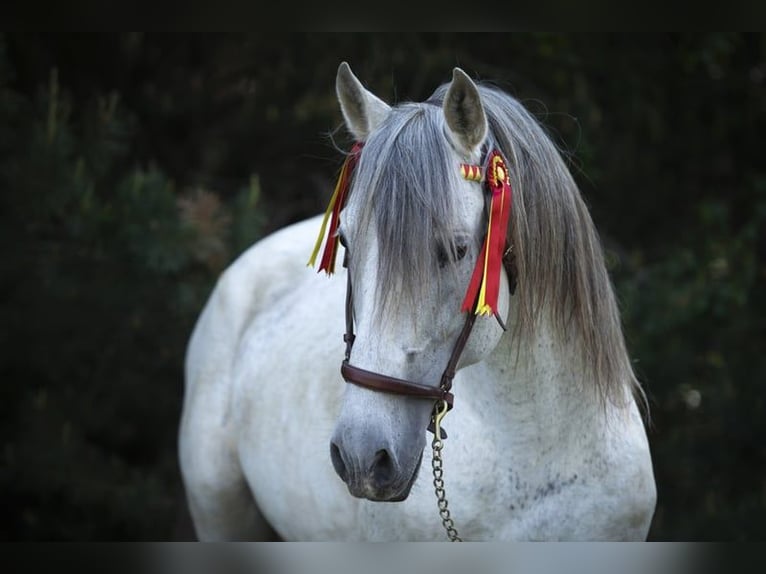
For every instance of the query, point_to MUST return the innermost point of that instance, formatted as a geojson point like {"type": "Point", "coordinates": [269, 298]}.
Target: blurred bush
{"type": "Point", "coordinates": [105, 265]}
{"type": "Point", "coordinates": [695, 322]}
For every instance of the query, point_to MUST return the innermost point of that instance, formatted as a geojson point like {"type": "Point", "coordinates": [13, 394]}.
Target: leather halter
{"type": "Point", "coordinates": [387, 384]}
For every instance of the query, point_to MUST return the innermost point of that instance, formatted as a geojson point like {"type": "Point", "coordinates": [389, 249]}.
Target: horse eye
{"type": "Point", "coordinates": [456, 253]}
{"type": "Point", "coordinates": [342, 239]}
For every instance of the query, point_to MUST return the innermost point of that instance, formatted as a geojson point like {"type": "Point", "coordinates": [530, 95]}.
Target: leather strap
{"type": "Point", "coordinates": [387, 384]}
{"type": "Point", "coordinates": [349, 336]}
{"type": "Point", "coordinates": [457, 350]}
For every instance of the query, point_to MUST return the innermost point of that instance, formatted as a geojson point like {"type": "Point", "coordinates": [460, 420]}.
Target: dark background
{"type": "Point", "coordinates": [135, 167]}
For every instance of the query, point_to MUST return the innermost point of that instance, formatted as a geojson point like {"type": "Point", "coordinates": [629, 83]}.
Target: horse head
{"type": "Point", "coordinates": [413, 228]}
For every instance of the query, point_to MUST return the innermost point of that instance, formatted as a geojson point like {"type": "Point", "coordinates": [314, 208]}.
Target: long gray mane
{"type": "Point", "coordinates": [404, 181]}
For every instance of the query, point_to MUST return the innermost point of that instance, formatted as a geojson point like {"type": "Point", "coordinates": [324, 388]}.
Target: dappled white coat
{"type": "Point", "coordinates": [532, 462]}
{"type": "Point", "coordinates": [531, 454]}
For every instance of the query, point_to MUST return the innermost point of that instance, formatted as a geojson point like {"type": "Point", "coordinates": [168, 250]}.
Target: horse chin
{"type": "Point", "coordinates": [393, 494]}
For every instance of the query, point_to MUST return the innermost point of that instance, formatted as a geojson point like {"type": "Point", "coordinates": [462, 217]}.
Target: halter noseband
{"type": "Point", "coordinates": [481, 297]}
{"type": "Point", "coordinates": [388, 384]}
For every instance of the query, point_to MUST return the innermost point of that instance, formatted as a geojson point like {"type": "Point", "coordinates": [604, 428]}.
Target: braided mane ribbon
{"type": "Point", "coordinates": [332, 214]}
{"type": "Point", "coordinates": [485, 281]}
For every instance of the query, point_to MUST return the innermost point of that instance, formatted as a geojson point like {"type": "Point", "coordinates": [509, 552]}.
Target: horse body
{"type": "Point", "coordinates": [531, 454]}
{"type": "Point", "coordinates": [537, 463]}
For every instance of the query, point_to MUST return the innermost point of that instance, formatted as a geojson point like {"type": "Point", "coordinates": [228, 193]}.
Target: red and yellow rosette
{"type": "Point", "coordinates": [485, 281]}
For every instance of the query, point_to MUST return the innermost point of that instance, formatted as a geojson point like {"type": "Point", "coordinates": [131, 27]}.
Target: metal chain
{"type": "Point", "coordinates": [436, 464]}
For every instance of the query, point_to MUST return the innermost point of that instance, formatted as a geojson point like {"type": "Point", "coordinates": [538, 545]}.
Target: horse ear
{"type": "Point", "coordinates": [464, 113]}
{"type": "Point", "coordinates": [362, 110]}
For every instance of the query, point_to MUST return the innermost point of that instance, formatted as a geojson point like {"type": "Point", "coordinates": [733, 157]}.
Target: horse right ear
{"type": "Point", "coordinates": [362, 110]}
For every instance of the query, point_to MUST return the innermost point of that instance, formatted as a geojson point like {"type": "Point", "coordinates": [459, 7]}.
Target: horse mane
{"type": "Point", "coordinates": [560, 266]}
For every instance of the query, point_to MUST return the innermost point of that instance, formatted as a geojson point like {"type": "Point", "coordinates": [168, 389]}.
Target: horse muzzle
{"type": "Point", "coordinates": [378, 476]}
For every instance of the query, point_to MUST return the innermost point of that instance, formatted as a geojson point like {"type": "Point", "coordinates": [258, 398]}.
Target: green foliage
{"type": "Point", "coordinates": [695, 319]}
{"type": "Point", "coordinates": [105, 267]}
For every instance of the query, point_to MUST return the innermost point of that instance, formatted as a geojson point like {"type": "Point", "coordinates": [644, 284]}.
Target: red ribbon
{"type": "Point", "coordinates": [484, 287]}
{"type": "Point", "coordinates": [337, 202]}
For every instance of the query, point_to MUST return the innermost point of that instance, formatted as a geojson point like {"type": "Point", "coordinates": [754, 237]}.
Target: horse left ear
{"type": "Point", "coordinates": [362, 110]}
{"type": "Point", "coordinates": [464, 113]}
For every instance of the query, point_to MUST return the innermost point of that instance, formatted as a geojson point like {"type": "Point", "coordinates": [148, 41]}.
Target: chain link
{"type": "Point", "coordinates": [436, 465]}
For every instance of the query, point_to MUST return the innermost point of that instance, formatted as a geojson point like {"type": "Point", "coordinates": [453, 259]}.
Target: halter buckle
{"type": "Point", "coordinates": [440, 410]}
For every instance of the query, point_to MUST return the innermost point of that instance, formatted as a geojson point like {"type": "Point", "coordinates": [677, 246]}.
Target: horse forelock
{"type": "Point", "coordinates": [404, 180]}
{"type": "Point", "coordinates": [403, 194]}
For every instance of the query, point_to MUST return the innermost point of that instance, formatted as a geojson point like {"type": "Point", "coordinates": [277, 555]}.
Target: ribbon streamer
{"type": "Point", "coordinates": [485, 280]}
{"type": "Point", "coordinates": [332, 214]}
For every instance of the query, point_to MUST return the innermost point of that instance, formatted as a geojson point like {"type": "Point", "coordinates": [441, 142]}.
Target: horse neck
{"type": "Point", "coordinates": [540, 389]}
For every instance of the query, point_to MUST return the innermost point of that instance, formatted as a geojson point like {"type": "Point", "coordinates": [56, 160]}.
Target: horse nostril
{"type": "Point", "coordinates": [382, 468]}
{"type": "Point", "coordinates": [337, 462]}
